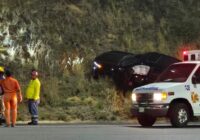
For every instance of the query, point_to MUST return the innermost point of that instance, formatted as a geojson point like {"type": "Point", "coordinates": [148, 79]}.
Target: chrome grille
{"type": "Point", "coordinates": [144, 97]}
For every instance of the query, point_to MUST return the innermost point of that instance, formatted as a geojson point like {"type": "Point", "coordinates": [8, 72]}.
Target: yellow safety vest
{"type": "Point", "coordinates": [33, 89]}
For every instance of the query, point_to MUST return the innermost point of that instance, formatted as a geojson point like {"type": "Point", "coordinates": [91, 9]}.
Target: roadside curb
{"type": "Point", "coordinates": [78, 122]}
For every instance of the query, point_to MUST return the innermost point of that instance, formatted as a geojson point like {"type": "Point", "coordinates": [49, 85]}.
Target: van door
{"type": "Point", "coordinates": [195, 92]}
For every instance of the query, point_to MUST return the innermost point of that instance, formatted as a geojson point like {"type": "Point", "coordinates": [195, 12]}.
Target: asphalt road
{"type": "Point", "coordinates": [100, 132]}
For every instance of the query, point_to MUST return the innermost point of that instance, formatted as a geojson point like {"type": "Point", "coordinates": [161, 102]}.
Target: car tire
{"type": "Point", "coordinates": [146, 120]}
{"type": "Point", "coordinates": [179, 115]}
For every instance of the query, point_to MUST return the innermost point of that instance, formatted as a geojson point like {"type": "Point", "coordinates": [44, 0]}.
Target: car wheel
{"type": "Point", "coordinates": [146, 120]}
{"type": "Point", "coordinates": [179, 115]}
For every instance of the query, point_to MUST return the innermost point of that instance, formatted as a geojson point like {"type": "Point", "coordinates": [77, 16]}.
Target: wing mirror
{"type": "Point", "coordinates": [195, 79]}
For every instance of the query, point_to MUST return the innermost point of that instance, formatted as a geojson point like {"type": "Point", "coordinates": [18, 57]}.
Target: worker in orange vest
{"type": "Point", "coordinates": [12, 94]}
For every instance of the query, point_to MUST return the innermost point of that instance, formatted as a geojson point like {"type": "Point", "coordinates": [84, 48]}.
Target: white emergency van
{"type": "Point", "coordinates": [175, 94]}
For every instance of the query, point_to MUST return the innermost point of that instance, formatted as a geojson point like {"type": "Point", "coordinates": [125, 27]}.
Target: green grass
{"type": "Point", "coordinates": [61, 31]}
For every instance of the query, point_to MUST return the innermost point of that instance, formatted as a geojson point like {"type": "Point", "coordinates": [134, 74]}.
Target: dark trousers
{"type": "Point", "coordinates": [33, 110]}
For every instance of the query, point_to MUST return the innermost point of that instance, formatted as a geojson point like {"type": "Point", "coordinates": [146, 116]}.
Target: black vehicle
{"type": "Point", "coordinates": [106, 63]}
{"type": "Point", "coordinates": [143, 70]}
{"type": "Point", "coordinates": [131, 70]}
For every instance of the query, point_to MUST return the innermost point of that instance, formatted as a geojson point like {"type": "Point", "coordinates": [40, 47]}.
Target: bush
{"type": "Point", "coordinates": [39, 37]}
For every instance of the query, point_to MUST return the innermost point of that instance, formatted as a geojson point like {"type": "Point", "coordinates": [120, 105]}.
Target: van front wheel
{"type": "Point", "coordinates": [179, 115]}
{"type": "Point", "coordinates": [146, 120]}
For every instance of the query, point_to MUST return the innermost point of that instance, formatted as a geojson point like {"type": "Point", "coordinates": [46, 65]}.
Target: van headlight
{"type": "Point", "coordinates": [133, 97]}
{"type": "Point", "coordinates": [159, 96]}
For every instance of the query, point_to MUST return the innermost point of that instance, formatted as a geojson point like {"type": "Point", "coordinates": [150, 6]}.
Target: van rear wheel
{"type": "Point", "coordinates": [146, 120]}
{"type": "Point", "coordinates": [179, 115]}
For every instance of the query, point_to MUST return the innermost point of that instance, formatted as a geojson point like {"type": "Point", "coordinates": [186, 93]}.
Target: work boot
{"type": "Point", "coordinates": [30, 123]}
{"type": "Point", "coordinates": [12, 125]}
{"type": "Point", "coordinates": [33, 123]}
{"type": "Point", "coordinates": [6, 125]}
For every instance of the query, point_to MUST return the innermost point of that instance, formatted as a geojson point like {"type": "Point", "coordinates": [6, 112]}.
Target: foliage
{"type": "Point", "coordinates": [61, 38]}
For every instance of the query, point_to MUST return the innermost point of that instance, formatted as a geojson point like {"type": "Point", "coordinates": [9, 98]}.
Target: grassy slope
{"type": "Point", "coordinates": [50, 34]}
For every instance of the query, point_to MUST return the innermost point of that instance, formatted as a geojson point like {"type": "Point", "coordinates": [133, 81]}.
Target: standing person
{"type": "Point", "coordinates": [33, 96]}
{"type": "Point", "coordinates": [2, 108]}
{"type": "Point", "coordinates": [12, 94]}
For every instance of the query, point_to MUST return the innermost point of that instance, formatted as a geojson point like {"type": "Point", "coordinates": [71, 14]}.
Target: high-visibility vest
{"type": "Point", "coordinates": [33, 89]}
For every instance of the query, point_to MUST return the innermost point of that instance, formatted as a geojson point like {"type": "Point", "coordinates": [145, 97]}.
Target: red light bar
{"type": "Point", "coordinates": [184, 52]}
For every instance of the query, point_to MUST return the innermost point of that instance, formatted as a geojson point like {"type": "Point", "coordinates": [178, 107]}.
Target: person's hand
{"type": "Point", "coordinates": [25, 100]}
{"type": "Point", "coordinates": [20, 98]}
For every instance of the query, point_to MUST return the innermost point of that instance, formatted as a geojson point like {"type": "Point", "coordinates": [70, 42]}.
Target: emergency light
{"type": "Point", "coordinates": [184, 52]}
{"type": "Point", "coordinates": [193, 55]}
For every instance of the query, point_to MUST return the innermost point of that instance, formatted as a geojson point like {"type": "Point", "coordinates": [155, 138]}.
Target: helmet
{"type": "Point", "coordinates": [1, 69]}
{"type": "Point", "coordinates": [34, 73]}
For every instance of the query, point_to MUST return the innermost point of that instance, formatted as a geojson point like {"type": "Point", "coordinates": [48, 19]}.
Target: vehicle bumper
{"type": "Point", "coordinates": [155, 110]}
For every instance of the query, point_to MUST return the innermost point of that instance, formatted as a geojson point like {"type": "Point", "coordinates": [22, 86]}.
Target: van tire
{"type": "Point", "coordinates": [179, 115]}
{"type": "Point", "coordinates": [146, 120]}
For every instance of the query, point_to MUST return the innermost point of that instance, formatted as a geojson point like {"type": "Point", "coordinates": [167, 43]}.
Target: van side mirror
{"type": "Point", "coordinates": [194, 79]}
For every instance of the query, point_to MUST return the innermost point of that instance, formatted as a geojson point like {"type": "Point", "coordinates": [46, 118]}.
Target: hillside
{"type": "Point", "coordinates": [61, 37]}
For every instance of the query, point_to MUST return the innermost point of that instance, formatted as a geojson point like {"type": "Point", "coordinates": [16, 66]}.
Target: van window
{"type": "Point", "coordinates": [197, 75]}
{"type": "Point", "coordinates": [185, 58]}
{"type": "Point", "coordinates": [176, 73]}
{"type": "Point", "coordinates": [193, 57]}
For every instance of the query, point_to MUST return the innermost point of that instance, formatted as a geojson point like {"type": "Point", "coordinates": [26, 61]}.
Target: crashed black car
{"type": "Point", "coordinates": [106, 63]}
{"type": "Point", "coordinates": [143, 70]}
{"type": "Point", "coordinates": [131, 70]}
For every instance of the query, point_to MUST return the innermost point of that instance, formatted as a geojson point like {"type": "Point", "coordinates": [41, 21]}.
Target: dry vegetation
{"type": "Point", "coordinates": [61, 38]}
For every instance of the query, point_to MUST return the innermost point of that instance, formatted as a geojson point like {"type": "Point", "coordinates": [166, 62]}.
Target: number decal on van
{"type": "Point", "coordinates": [187, 87]}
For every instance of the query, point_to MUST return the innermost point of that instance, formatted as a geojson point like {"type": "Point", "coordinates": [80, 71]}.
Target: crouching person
{"type": "Point", "coordinates": [33, 97]}
{"type": "Point", "coordinates": [2, 108]}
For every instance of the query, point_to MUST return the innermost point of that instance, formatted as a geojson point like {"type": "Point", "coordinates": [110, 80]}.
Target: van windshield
{"type": "Point", "coordinates": [176, 73]}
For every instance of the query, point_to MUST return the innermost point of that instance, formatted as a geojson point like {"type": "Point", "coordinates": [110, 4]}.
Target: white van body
{"type": "Point", "coordinates": [176, 94]}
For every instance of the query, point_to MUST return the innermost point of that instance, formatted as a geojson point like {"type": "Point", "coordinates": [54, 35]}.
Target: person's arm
{"type": "Point", "coordinates": [36, 90]}
{"type": "Point", "coordinates": [19, 95]}
{"type": "Point", "coordinates": [18, 91]}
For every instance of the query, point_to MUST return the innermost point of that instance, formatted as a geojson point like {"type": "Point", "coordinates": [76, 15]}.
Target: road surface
{"type": "Point", "coordinates": [100, 132]}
